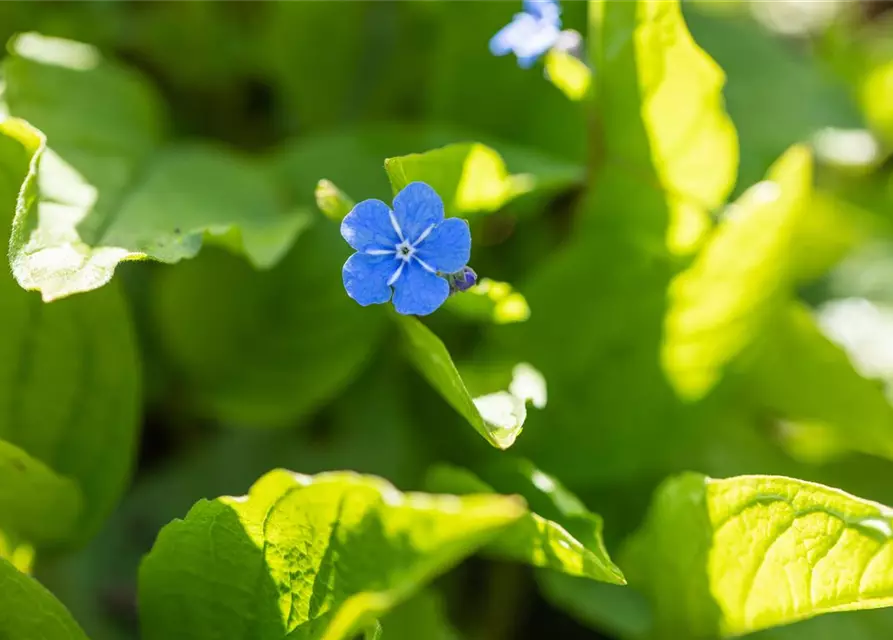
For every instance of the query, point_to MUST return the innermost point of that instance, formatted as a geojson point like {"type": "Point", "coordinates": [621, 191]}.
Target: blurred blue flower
{"type": "Point", "coordinates": [531, 33]}
{"type": "Point", "coordinates": [411, 250]}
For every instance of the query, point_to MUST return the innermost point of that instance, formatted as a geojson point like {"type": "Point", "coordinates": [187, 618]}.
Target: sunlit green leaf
{"type": "Point", "coordinates": [264, 349]}
{"type": "Point", "coordinates": [108, 191]}
{"type": "Point", "coordinates": [69, 381]}
{"type": "Point", "coordinates": [27, 610]}
{"type": "Point", "coordinates": [471, 177]}
{"type": "Point", "coordinates": [324, 556]}
{"type": "Point", "coordinates": [490, 301]}
{"type": "Point", "coordinates": [740, 281]}
{"type": "Point", "coordinates": [498, 417]}
{"type": "Point", "coordinates": [742, 554]}
{"type": "Point", "coordinates": [557, 533]}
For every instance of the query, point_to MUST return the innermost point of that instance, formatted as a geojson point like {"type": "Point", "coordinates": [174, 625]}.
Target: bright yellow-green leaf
{"type": "Point", "coordinates": [568, 73]}
{"type": "Point", "coordinates": [472, 177]}
{"type": "Point", "coordinates": [307, 557]}
{"type": "Point", "coordinates": [28, 610]}
{"type": "Point", "coordinates": [109, 191]}
{"type": "Point", "coordinates": [733, 556]}
{"type": "Point", "coordinates": [558, 532]}
{"type": "Point", "coordinates": [740, 281]}
{"type": "Point", "coordinates": [490, 301]}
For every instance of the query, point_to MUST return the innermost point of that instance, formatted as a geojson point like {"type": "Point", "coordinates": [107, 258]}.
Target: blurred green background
{"type": "Point", "coordinates": [330, 89]}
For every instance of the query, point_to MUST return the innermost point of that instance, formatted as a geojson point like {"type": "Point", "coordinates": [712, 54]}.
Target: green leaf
{"type": "Point", "coordinates": [468, 85]}
{"type": "Point", "coordinates": [352, 157]}
{"type": "Point", "coordinates": [661, 115]}
{"type": "Point", "coordinates": [108, 191]}
{"type": "Point", "coordinates": [611, 609]}
{"type": "Point", "coordinates": [776, 95]}
{"type": "Point", "coordinates": [557, 533]}
{"type": "Point", "coordinates": [27, 610]}
{"type": "Point", "coordinates": [422, 616]}
{"type": "Point", "coordinates": [568, 73]}
{"type": "Point", "coordinates": [472, 177]}
{"type": "Point", "coordinates": [324, 556]}
{"type": "Point", "coordinates": [333, 202]}
{"type": "Point", "coordinates": [19, 553]}
{"type": "Point", "coordinates": [738, 555]}
{"type": "Point", "coordinates": [597, 327]}
{"type": "Point", "coordinates": [265, 349]}
{"type": "Point", "coordinates": [316, 74]}
{"type": "Point", "coordinates": [69, 378]}
{"type": "Point", "coordinates": [35, 503]}
{"type": "Point", "coordinates": [490, 301]}
{"type": "Point", "coordinates": [740, 282]}
{"type": "Point", "coordinates": [498, 417]}
{"type": "Point", "coordinates": [800, 376]}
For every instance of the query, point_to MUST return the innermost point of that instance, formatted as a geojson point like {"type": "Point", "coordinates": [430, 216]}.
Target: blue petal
{"type": "Point", "coordinates": [510, 35]}
{"type": "Point", "coordinates": [528, 61]}
{"type": "Point", "coordinates": [366, 278]}
{"type": "Point", "coordinates": [448, 247]}
{"type": "Point", "coordinates": [418, 292]}
{"type": "Point", "coordinates": [537, 43]}
{"type": "Point", "coordinates": [416, 208]}
{"type": "Point", "coordinates": [368, 226]}
{"type": "Point", "coordinates": [547, 10]}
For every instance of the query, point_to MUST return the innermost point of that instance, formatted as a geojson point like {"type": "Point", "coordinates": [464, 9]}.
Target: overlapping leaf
{"type": "Point", "coordinates": [738, 555]}
{"type": "Point", "coordinates": [307, 557]}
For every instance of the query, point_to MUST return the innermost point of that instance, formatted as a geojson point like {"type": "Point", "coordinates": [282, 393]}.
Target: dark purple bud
{"type": "Point", "coordinates": [462, 280]}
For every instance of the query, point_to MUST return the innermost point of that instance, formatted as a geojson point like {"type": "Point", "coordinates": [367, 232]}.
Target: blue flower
{"type": "Point", "coordinates": [530, 34]}
{"type": "Point", "coordinates": [409, 250]}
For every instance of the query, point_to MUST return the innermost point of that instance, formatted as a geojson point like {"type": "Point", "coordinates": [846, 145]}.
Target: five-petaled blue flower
{"type": "Point", "coordinates": [531, 33]}
{"type": "Point", "coordinates": [410, 249]}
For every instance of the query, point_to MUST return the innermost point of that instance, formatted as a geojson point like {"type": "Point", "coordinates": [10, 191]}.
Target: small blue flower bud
{"type": "Point", "coordinates": [462, 280]}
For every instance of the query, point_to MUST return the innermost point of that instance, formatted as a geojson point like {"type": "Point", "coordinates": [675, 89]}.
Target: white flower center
{"type": "Point", "coordinates": [404, 251]}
